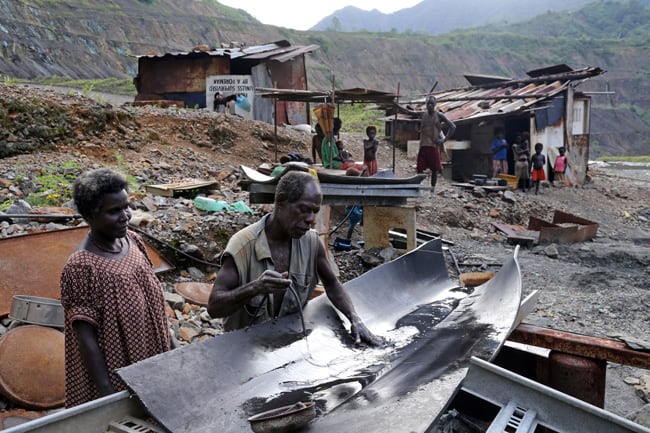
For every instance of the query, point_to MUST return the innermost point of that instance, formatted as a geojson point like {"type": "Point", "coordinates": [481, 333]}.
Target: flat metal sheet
{"type": "Point", "coordinates": [329, 176]}
{"type": "Point", "coordinates": [31, 264]}
{"type": "Point", "coordinates": [432, 328]}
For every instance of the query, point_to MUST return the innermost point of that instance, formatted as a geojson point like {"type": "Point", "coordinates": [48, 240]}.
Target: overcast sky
{"type": "Point", "coordinates": [301, 15]}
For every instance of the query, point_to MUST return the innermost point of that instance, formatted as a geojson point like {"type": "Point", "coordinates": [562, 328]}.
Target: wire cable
{"type": "Point", "coordinates": [171, 247]}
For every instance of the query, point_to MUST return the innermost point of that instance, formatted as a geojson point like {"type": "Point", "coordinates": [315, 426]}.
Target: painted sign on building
{"type": "Point", "coordinates": [230, 93]}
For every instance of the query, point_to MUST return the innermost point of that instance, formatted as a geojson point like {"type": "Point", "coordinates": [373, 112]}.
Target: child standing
{"type": "Point", "coordinates": [370, 146]}
{"type": "Point", "coordinates": [521, 153]}
{"type": "Point", "coordinates": [560, 166]}
{"type": "Point", "coordinates": [537, 162]}
{"type": "Point", "coordinates": [499, 149]}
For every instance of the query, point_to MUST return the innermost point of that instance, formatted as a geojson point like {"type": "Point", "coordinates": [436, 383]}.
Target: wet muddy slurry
{"type": "Point", "coordinates": [418, 354]}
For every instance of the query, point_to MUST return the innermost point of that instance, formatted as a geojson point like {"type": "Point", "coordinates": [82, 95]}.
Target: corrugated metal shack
{"type": "Point", "coordinates": [181, 76]}
{"type": "Point", "coordinates": [546, 105]}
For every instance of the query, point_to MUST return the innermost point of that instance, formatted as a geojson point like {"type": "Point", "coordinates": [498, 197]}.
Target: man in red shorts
{"type": "Point", "coordinates": [432, 138]}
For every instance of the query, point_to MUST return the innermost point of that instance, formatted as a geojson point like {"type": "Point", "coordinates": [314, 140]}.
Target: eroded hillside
{"type": "Point", "coordinates": [98, 39]}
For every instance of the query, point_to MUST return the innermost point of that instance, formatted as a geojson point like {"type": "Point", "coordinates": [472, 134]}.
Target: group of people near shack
{"type": "Point", "coordinates": [332, 153]}
{"type": "Point", "coordinates": [528, 168]}
{"type": "Point", "coordinates": [114, 304]}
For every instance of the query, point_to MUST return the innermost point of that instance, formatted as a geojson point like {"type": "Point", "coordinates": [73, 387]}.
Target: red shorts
{"type": "Point", "coordinates": [429, 157]}
{"type": "Point", "coordinates": [372, 166]}
{"type": "Point", "coordinates": [538, 174]}
{"type": "Point", "coordinates": [351, 164]}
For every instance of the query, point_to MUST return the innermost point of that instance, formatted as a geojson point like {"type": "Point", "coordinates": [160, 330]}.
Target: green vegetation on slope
{"type": "Point", "coordinates": [598, 20]}
{"type": "Point", "coordinates": [358, 116]}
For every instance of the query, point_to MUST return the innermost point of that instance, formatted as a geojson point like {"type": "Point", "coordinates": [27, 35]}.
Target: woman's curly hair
{"type": "Point", "coordinates": [89, 189]}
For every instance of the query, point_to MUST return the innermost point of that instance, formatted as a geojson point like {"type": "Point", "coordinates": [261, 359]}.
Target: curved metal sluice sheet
{"type": "Point", "coordinates": [431, 327]}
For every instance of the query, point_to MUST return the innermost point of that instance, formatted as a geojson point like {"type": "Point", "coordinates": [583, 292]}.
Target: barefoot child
{"type": "Point", "coordinates": [560, 166]}
{"type": "Point", "coordinates": [370, 150]}
{"type": "Point", "coordinates": [537, 162]}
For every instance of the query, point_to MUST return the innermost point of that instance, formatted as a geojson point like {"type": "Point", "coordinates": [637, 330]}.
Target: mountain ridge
{"type": "Point", "coordinates": [453, 15]}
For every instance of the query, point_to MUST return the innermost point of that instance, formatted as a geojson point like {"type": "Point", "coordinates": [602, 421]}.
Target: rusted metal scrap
{"type": "Point", "coordinates": [590, 347]}
{"type": "Point", "coordinates": [45, 252]}
{"type": "Point", "coordinates": [564, 229]}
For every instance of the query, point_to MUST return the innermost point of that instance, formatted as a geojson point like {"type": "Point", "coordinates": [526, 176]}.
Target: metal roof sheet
{"type": "Point", "coordinates": [459, 105]}
{"type": "Point", "coordinates": [283, 54]}
{"type": "Point", "coordinates": [493, 99]}
{"type": "Point", "coordinates": [280, 51]}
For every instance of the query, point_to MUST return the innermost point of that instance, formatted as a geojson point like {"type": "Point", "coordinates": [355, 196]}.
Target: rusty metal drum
{"type": "Point", "coordinates": [580, 377]}
{"type": "Point", "coordinates": [32, 367]}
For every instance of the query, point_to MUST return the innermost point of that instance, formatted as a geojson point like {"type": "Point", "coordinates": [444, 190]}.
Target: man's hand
{"type": "Point", "coordinates": [272, 282]}
{"type": "Point", "coordinates": [361, 334]}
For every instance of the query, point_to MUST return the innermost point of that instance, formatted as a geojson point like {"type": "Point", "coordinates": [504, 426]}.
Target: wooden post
{"type": "Point", "coordinates": [392, 130]}
{"type": "Point", "coordinates": [275, 123]}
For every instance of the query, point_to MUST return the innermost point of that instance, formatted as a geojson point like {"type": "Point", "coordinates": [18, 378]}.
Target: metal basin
{"type": "Point", "coordinates": [37, 311]}
{"type": "Point", "coordinates": [196, 293]}
{"type": "Point", "coordinates": [14, 417]}
{"type": "Point", "coordinates": [283, 419]}
{"type": "Point", "coordinates": [32, 369]}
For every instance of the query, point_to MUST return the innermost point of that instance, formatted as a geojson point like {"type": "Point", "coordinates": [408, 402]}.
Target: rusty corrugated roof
{"type": "Point", "coordinates": [498, 98]}
{"type": "Point", "coordinates": [280, 51]}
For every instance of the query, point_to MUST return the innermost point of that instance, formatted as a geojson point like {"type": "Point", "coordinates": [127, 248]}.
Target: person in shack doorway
{"type": "Point", "coordinates": [270, 268]}
{"type": "Point", "coordinates": [521, 153]}
{"type": "Point", "coordinates": [112, 300]}
{"type": "Point", "coordinates": [537, 162]}
{"type": "Point", "coordinates": [432, 139]}
{"type": "Point", "coordinates": [499, 147]}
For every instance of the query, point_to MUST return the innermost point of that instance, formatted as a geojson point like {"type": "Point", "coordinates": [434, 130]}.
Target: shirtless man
{"type": "Point", "coordinates": [432, 138]}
